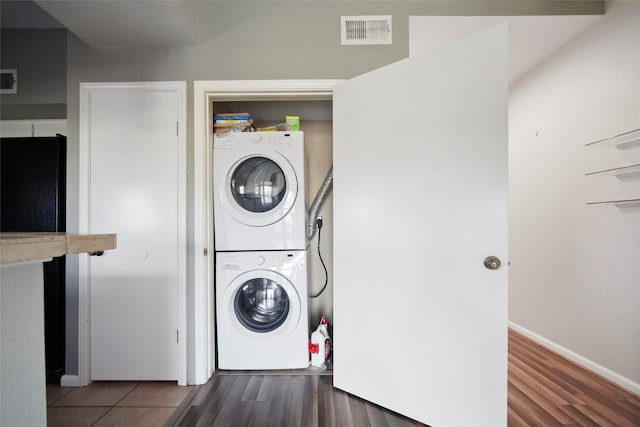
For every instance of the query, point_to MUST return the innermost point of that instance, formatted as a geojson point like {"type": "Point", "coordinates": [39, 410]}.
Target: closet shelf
{"type": "Point", "coordinates": [624, 140]}
{"type": "Point", "coordinates": [618, 203]}
{"type": "Point", "coordinates": [624, 173]}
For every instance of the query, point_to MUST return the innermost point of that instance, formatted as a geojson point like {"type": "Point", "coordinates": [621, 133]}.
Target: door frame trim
{"type": "Point", "coordinates": [84, 151]}
{"type": "Point", "coordinates": [202, 361]}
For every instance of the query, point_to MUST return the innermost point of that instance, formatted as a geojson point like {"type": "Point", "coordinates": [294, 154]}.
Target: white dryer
{"type": "Point", "coordinates": [259, 200]}
{"type": "Point", "coordinates": [262, 312]}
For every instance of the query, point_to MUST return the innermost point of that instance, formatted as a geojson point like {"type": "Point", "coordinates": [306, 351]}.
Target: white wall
{"type": "Point", "coordinates": [259, 40]}
{"type": "Point", "coordinates": [575, 269]}
{"type": "Point", "coordinates": [40, 57]}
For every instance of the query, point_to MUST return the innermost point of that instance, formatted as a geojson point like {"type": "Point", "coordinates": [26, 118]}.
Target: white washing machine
{"type": "Point", "coordinates": [262, 310]}
{"type": "Point", "coordinates": [259, 200]}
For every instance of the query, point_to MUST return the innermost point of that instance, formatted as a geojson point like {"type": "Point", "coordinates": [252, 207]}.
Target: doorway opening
{"type": "Point", "coordinates": [209, 96]}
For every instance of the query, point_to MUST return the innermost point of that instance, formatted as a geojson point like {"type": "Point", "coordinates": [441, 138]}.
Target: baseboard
{"type": "Point", "coordinates": [614, 377]}
{"type": "Point", "coordinates": [70, 381]}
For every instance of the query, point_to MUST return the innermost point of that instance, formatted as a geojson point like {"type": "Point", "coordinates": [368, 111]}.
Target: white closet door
{"type": "Point", "coordinates": [420, 200]}
{"type": "Point", "coordinates": [135, 189]}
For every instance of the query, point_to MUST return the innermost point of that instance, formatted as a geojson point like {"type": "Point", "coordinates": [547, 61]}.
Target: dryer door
{"type": "Point", "coordinates": [262, 303]}
{"type": "Point", "coordinates": [260, 189]}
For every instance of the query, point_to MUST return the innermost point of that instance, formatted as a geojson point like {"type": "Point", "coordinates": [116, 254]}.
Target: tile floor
{"type": "Point", "coordinates": [121, 403]}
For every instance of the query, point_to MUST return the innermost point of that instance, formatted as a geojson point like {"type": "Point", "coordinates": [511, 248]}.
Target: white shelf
{"type": "Point", "coordinates": [623, 173]}
{"type": "Point", "coordinates": [625, 140]}
{"type": "Point", "coordinates": [618, 203]}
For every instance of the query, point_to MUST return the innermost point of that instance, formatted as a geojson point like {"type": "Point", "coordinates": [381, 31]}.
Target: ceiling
{"type": "Point", "coordinates": [25, 14]}
{"type": "Point", "coordinates": [531, 38]}
{"type": "Point", "coordinates": [109, 24]}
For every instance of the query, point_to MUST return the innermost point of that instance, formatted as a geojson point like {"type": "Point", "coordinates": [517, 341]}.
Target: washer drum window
{"type": "Point", "coordinates": [261, 305]}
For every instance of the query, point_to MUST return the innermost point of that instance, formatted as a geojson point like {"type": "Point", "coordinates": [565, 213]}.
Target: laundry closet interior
{"type": "Point", "coordinates": [267, 110]}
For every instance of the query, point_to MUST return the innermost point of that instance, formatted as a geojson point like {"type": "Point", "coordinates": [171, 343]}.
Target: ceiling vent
{"type": "Point", "coordinates": [9, 81]}
{"type": "Point", "coordinates": [366, 30]}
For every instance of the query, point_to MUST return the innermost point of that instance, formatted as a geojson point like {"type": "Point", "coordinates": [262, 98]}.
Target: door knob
{"type": "Point", "coordinates": [492, 262]}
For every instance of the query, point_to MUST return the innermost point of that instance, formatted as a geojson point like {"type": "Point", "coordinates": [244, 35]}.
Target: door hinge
{"type": "Point", "coordinates": [177, 336]}
{"type": "Point", "coordinates": [177, 128]}
{"type": "Point", "coordinates": [205, 252]}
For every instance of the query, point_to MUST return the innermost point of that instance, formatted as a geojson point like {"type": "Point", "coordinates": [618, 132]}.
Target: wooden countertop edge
{"type": "Point", "coordinates": [21, 247]}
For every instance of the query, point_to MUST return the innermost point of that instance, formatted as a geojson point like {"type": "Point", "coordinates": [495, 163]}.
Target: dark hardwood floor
{"type": "Point", "coordinates": [544, 390]}
{"type": "Point", "coordinates": [282, 400]}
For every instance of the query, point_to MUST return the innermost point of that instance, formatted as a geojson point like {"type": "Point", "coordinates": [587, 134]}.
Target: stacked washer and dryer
{"type": "Point", "coordinates": [260, 238]}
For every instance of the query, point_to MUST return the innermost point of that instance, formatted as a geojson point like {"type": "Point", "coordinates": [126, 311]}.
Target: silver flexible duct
{"type": "Point", "coordinates": [317, 203]}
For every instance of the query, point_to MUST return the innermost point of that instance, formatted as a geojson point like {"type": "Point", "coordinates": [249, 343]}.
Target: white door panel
{"type": "Point", "coordinates": [134, 179]}
{"type": "Point", "coordinates": [420, 199]}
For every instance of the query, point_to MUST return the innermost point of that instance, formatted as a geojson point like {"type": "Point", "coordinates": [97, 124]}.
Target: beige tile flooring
{"type": "Point", "coordinates": [120, 403]}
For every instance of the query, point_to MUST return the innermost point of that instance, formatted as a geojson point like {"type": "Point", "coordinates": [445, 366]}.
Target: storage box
{"type": "Point", "coordinates": [293, 122]}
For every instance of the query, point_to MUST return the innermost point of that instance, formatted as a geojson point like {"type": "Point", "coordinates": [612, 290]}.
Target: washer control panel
{"type": "Point", "coordinates": [263, 139]}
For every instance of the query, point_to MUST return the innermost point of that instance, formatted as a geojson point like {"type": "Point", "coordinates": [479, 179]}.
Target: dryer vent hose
{"type": "Point", "coordinates": [317, 204]}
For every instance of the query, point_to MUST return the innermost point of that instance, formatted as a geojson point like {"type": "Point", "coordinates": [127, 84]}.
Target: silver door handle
{"type": "Point", "coordinates": [492, 262]}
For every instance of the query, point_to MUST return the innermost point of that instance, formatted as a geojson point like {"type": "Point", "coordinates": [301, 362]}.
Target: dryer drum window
{"type": "Point", "coordinates": [258, 184]}
{"type": "Point", "coordinates": [261, 305]}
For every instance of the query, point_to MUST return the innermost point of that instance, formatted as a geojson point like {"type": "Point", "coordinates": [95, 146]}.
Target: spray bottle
{"type": "Point", "coordinates": [320, 344]}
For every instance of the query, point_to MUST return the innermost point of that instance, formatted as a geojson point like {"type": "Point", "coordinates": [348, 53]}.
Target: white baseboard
{"type": "Point", "coordinates": [70, 381]}
{"type": "Point", "coordinates": [614, 377]}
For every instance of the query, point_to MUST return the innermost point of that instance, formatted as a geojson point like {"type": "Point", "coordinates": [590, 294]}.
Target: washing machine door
{"type": "Point", "coordinates": [263, 303]}
{"type": "Point", "coordinates": [260, 189]}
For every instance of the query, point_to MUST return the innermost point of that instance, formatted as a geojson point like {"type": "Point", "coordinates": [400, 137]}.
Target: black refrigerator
{"type": "Point", "coordinates": [33, 198]}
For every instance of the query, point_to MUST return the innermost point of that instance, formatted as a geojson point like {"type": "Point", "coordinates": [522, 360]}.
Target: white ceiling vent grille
{"type": "Point", "coordinates": [366, 30]}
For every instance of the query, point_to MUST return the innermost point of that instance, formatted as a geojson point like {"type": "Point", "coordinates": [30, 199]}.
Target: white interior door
{"type": "Point", "coordinates": [136, 166]}
{"type": "Point", "coordinates": [420, 200]}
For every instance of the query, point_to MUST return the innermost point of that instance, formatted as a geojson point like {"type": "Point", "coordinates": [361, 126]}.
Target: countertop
{"type": "Point", "coordinates": [20, 247]}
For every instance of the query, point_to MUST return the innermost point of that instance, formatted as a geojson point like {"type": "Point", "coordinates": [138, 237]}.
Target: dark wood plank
{"type": "Point", "coordinates": [267, 388]}
{"type": "Point", "coordinates": [359, 415]}
{"type": "Point", "coordinates": [279, 400]}
{"type": "Point", "coordinates": [376, 416]}
{"type": "Point", "coordinates": [326, 411]}
{"type": "Point", "coordinates": [253, 388]}
{"type": "Point", "coordinates": [253, 413]}
{"type": "Point", "coordinates": [295, 401]}
{"type": "Point", "coordinates": [310, 402]}
{"type": "Point", "coordinates": [544, 390]}
{"type": "Point", "coordinates": [341, 408]}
